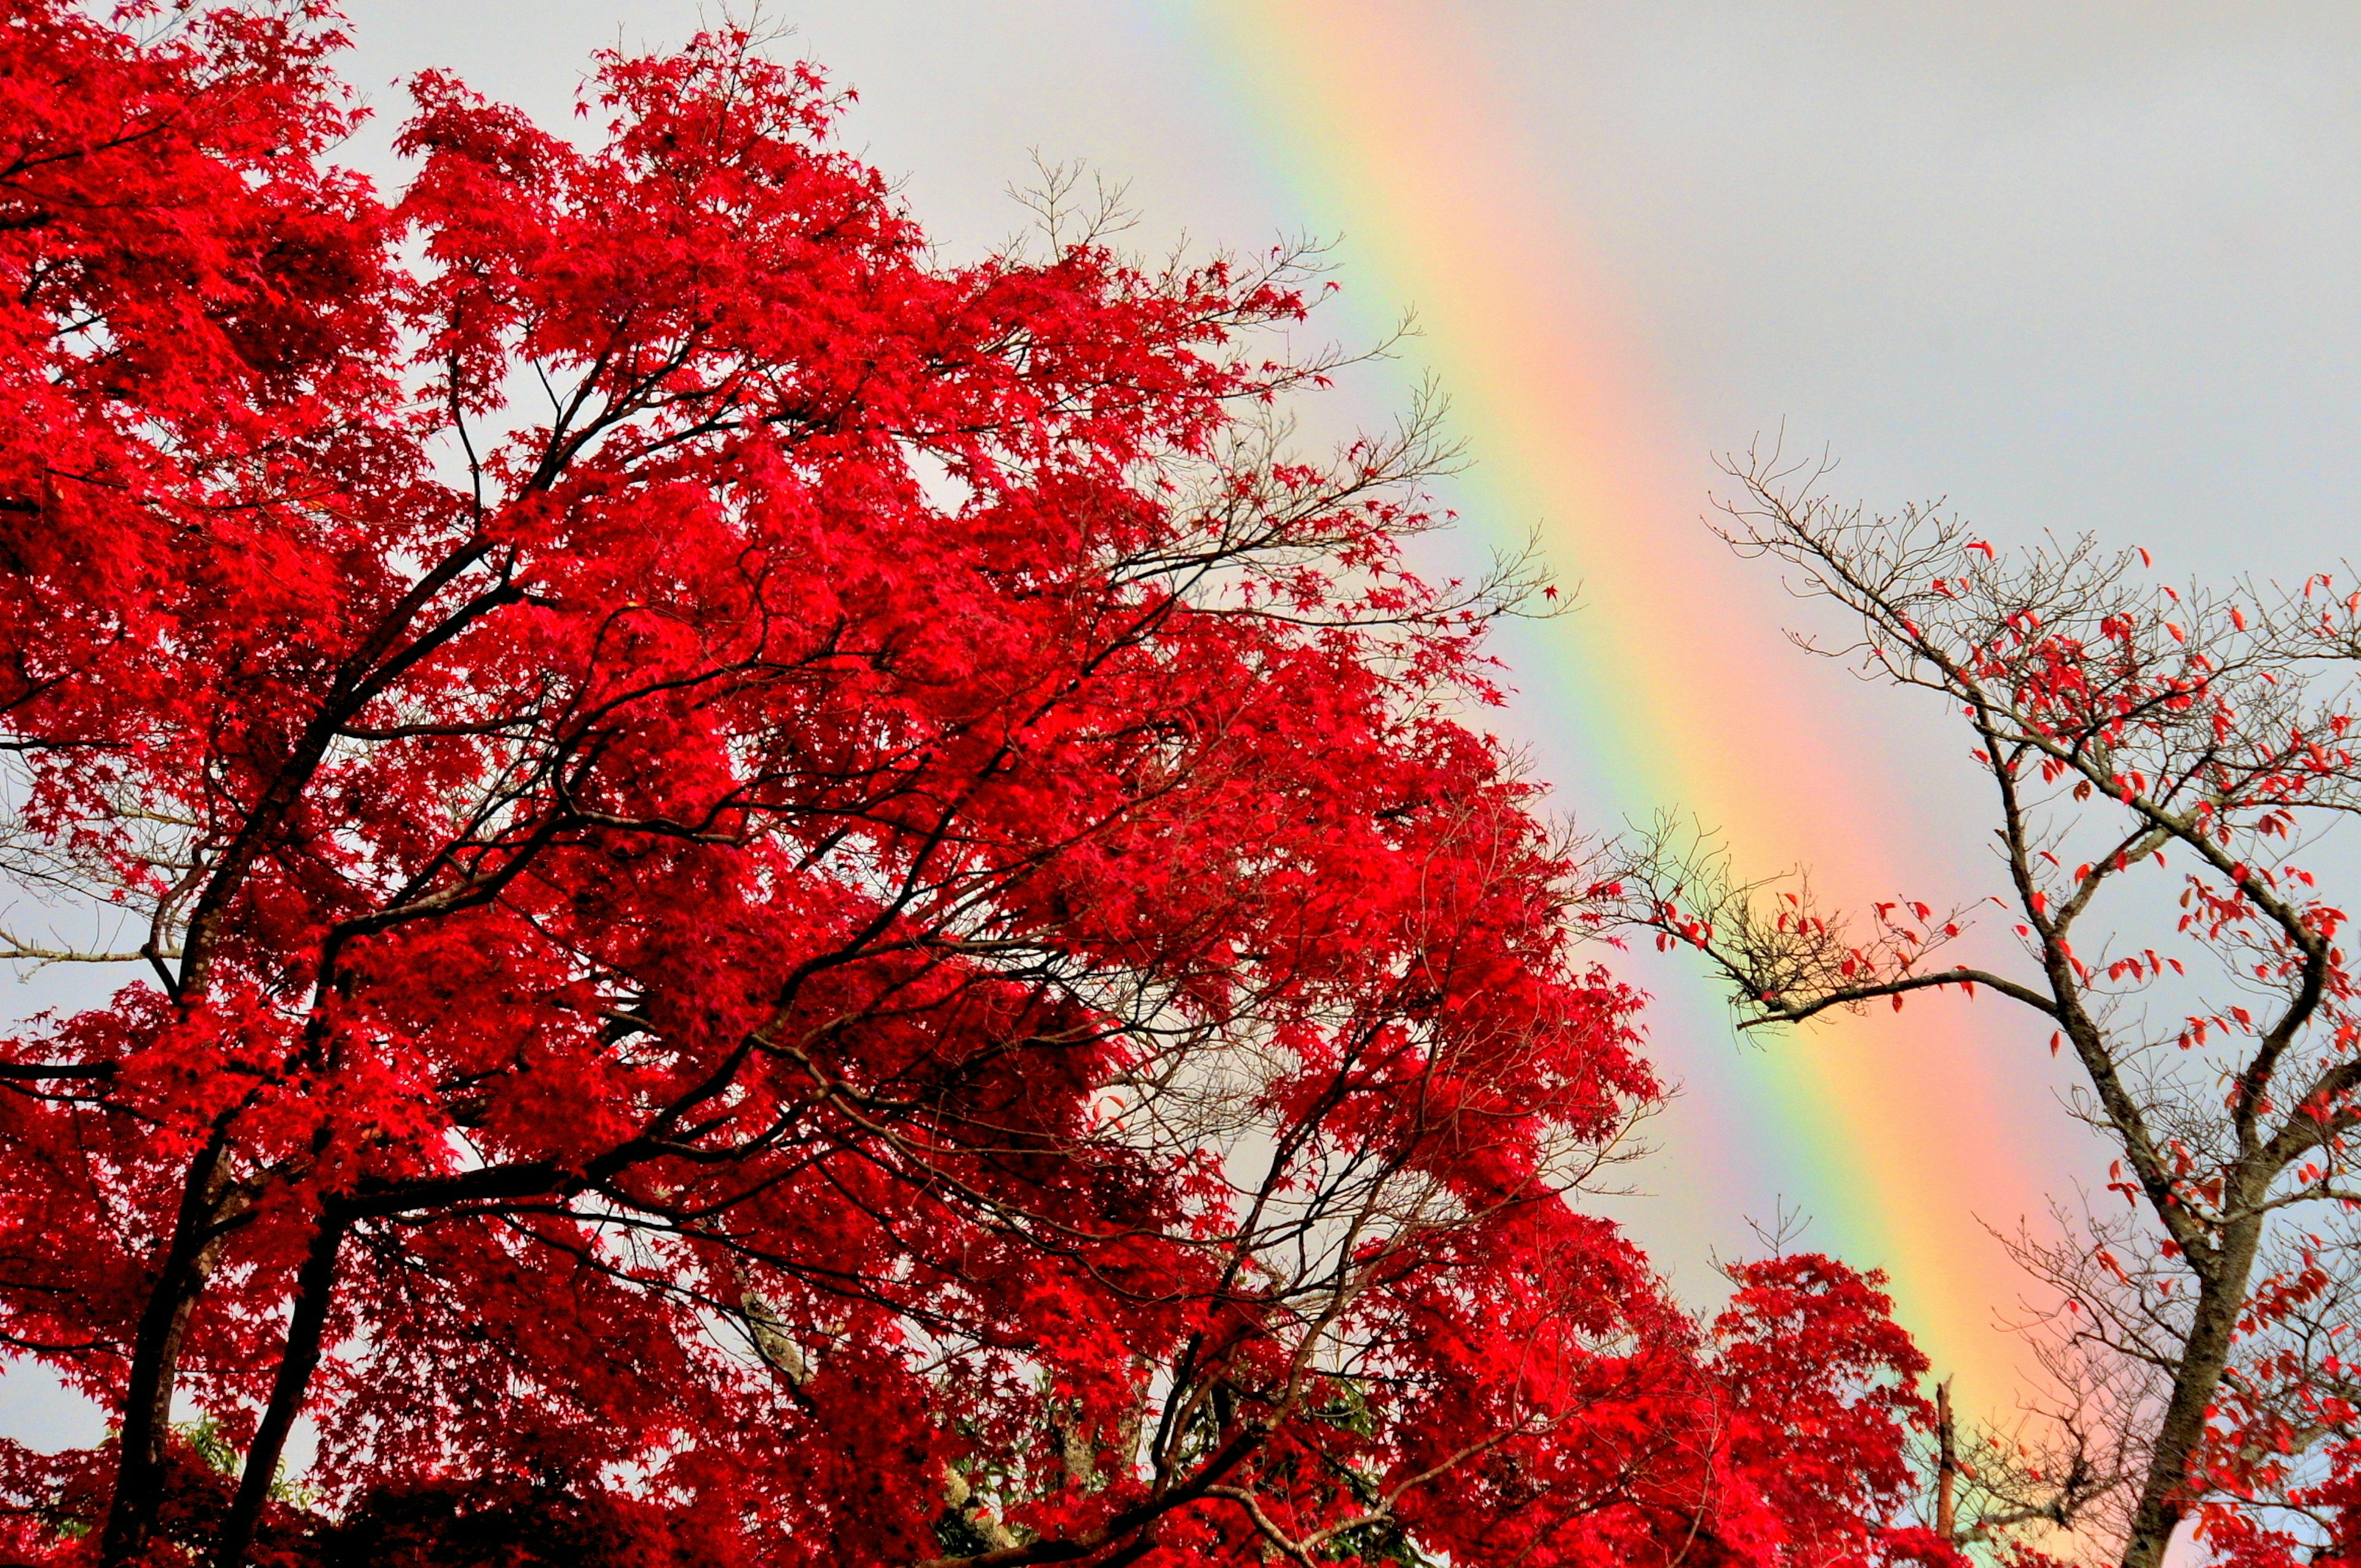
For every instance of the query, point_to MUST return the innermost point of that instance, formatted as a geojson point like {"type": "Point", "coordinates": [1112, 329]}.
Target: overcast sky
{"type": "Point", "coordinates": [2080, 265]}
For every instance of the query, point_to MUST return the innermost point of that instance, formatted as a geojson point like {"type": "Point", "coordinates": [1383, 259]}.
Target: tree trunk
{"type": "Point", "coordinates": [2164, 1495]}
{"type": "Point", "coordinates": [155, 1359]}
{"type": "Point", "coordinates": [315, 1284]}
{"type": "Point", "coordinates": [1947, 1467]}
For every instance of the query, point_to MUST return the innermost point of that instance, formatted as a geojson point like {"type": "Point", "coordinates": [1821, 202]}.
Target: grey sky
{"type": "Point", "coordinates": [2075, 265]}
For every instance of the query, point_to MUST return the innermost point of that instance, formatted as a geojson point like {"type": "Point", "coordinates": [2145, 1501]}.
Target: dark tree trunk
{"type": "Point", "coordinates": [2164, 1495]}
{"type": "Point", "coordinates": [155, 1359]}
{"type": "Point", "coordinates": [315, 1284]}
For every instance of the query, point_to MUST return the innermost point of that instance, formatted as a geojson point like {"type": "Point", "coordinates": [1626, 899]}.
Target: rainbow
{"type": "Point", "coordinates": [1905, 1138]}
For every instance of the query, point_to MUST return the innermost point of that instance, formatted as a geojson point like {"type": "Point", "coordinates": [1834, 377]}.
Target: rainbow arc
{"type": "Point", "coordinates": [1671, 685]}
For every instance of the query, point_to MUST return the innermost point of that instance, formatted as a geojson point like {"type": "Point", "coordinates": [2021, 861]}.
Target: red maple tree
{"type": "Point", "coordinates": [2165, 764]}
{"type": "Point", "coordinates": [788, 904]}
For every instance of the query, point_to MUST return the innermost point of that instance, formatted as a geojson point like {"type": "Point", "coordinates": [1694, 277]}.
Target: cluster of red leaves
{"type": "Point", "coordinates": [797, 908]}
{"type": "Point", "coordinates": [2329, 1533]}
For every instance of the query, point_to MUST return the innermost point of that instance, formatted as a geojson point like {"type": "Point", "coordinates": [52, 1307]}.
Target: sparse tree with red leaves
{"type": "Point", "coordinates": [2164, 764]}
{"type": "Point", "coordinates": [785, 904]}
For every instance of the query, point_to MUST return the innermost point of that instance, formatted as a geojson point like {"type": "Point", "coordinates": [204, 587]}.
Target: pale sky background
{"type": "Point", "coordinates": [2072, 265]}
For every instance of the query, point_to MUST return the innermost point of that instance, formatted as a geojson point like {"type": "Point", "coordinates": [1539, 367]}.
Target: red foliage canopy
{"type": "Point", "coordinates": [793, 905]}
